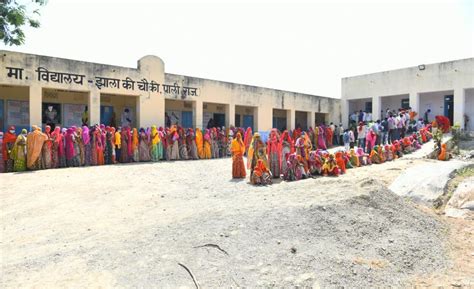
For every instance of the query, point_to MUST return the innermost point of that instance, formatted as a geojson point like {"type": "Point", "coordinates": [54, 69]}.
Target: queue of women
{"type": "Point", "coordinates": [296, 155]}
{"type": "Point", "coordinates": [290, 155]}
{"type": "Point", "coordinates": [104, 145]}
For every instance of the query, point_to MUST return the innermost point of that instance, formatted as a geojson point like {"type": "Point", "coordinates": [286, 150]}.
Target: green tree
{"type": "Point", "coordinates": [14, 15]}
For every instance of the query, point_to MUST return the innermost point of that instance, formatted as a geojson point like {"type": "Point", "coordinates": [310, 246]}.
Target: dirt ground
{"type": "Point", "coordinates": [129, 226]}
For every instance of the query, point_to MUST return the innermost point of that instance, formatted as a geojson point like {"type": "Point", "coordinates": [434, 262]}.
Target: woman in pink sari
{"type": "Point", "coordinates": [370, 140]}
{"type": "Point", "coordinates": [321, 142]}
{"type": "Point", "coordinates": [70, 148]}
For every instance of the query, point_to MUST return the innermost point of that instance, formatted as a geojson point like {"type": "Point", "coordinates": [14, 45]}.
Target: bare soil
{"type": "Point", "coordinates": [129, 226]}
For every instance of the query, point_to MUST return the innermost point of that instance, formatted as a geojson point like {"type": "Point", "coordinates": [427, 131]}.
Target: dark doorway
{"type": "Point", "coordinates": [219, 119]}
{"type": "Point", "coordinates": [448, 107]}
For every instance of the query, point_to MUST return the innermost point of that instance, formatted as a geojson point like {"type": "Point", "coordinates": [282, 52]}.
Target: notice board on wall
{"type": "Point", "coordinates": [73, 114]}
{"type": "Point", "coordinates": [18, 113]}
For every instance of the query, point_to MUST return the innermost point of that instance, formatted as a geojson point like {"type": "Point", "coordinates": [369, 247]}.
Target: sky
{"type": "Point", "coordinates": [302, 46]}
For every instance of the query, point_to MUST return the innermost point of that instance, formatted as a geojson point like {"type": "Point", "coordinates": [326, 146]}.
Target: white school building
{"type": "Point", "coordinates": [446, 88]}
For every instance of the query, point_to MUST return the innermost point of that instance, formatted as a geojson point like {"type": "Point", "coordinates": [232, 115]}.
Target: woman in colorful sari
{"type": "Point", "coordinates": [9, 139]}
{"type": "Point", "coordinates": [174, 138]}
{"type": "Point", "coordinates": [99, 146]}
{"type": "Point", "coordinates": [126, 142]}
{"type": "Point", "coordinates": [191, 145]}
{"type": "Point", "coordinates": [330, 166]}
{"type": "Point", "coordinates": [144, 147]}
{"type": "Point", "coordinates": [34, 144]}
{"type": "Point", "coordinates": [238, 150]}
{"type": "Point", "coordinates": [135, 144]}
{"type": "Point", "coordinates": [321, 141]}
{"type": "Point", "coordinates": [46, 150]}
{"type": "Point", "coordinates": [374, 156]}
{"type": "Point", "coordinates": [314, 163]}
{"type": "Point", "coordinates": [285, 148]}
{"type": "Point", "coordinates": [214, 144]}
{"type": "Point", "coordinates": [329, 136]}
{"type": "Point", "coordinates": [260, 174]}
{"type": "Point", "coordinates": [86, 140]}
{"type": "Point", "coordinates": [69, 148]}
{"type": "Point", "coordinates": [19, 152]}
{"type": "Point", "coordinates": [80, 145]}
{"type": "Point", "coordinates": [207, 154]}
{"type": "Point", "coordinates": [199, 143]}
{"type": "Point", "coordinates": [247, 139]}
{"type": "Point", "coordinates": [274, 154]}
{"type": "Point", "coordinates": [370, 140]}
{"type": "Point", "coordinates": [109, 146]}
{"type": "Point", "coordinates": [155, 141]}
{"type": "Point", "coordinates": [58, 148]}
{"type": "Point", "coordinates": [183, 150]}
{"type": "Point", "coordinates": [257, 151]}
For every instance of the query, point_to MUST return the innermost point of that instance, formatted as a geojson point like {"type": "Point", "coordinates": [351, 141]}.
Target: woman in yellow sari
{"type": "Point", "coordinates": [199, 143]}
{"type": "Point", "coordinates": [155, 140]}
{"type": "Point", "coordinates": [238, 150]}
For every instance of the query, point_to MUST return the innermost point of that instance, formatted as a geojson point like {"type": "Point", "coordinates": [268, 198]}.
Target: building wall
{"type": "Point", "coordinates": [219, 96]}
{"type": "Point", "coordinates": [470, 108]}
{"type": "Point", "coordinates": [453, 76]}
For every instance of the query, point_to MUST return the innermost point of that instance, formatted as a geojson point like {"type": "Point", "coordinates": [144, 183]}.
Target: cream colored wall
{"type": "Point", "coordinates": [264, 99]}
{"type": "Point", "coordinates": [455, 75]}
{"type": "Point", "coordinates": [151, 105]}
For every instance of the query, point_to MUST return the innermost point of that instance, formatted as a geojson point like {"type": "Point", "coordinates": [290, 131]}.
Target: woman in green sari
{"type": "Point", "coordinates": [18, 152]}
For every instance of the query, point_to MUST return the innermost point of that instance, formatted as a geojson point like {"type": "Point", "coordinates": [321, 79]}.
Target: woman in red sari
{"type": "Point", "coordinates": [285, 148]}
{"type": "Point", "coordinates": [274, 154]}
{"type": "Point", "coordinates": [9, 139]}
{"type": "Point", "coordinates": [247, 139]}
{"type": "Point", "coordinates": [238, 150]}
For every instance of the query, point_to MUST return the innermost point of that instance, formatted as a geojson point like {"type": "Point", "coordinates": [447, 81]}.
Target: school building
{"type": "Point", "coordinates": [37, 89]}
{"type": "Point", "coordinates": [446, 88]}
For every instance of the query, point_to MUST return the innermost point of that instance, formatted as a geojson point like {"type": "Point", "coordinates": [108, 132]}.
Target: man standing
{"type": "Point", "coordinates": [427, 116]}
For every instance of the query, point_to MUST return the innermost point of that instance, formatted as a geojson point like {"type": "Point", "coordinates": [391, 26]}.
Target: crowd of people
{"type": "Point", "coordinates": [290, 155]}
{"type": "Point", "coordinates": [104, 145]}
{"type": "Point", "coordinates": [295, 155]}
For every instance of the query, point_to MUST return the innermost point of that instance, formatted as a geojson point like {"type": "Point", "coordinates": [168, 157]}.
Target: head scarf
{"type": "Point", "coordinates": [8, 137]}
{"type": "Point", "coordinates": [86, 137]}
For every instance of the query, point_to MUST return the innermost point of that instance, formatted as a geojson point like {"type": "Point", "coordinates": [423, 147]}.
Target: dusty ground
{"type": "Point", "coordinates": [129, 226]}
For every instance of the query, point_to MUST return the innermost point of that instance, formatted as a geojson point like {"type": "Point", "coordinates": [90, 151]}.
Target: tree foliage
{"type": "Point", "coordinates": [14, 15]}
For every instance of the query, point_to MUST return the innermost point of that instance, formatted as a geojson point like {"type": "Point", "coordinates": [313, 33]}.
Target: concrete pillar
{"type": "Point", "coordinates": [151, 104]}
{"type": "Point", "coordinates": [94, 107]}
{"type": "Point", "coordinates": [264, 118]}
{"type": "Point", "coordinates": [345, 112]}
{"type": "Point", "coordinates": [197, 114]}
{"type": "Point", "coordinates": [415, 103]}
{"type": "Point", "coordinates": [376, 107]}
{"type": "Point", "coordinates": [459, 106]}
{"type": "Point", "coordinates": [290, 119]}
{"type": "Point", "coordinates": [36, 99]}
{"type": "Point", "coordinates": [311, 119]}
{"type": "Point", "coordinates": [229, 115]}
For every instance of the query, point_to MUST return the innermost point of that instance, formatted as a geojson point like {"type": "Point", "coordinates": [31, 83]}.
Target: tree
{"type": "Point", "coordinates": [14, 16]}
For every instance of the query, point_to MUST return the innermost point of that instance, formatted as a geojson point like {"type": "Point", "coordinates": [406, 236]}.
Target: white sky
{"type": "Point", "coordinates": [305, 47]}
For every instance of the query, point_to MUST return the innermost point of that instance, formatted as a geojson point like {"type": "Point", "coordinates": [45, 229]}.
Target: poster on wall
{"type": "Point", "coordinates": [73, 114]}
{"type": "Point", "coordinates": [51, 114]}
{"type": "Point", "coordinates": [127, 117]}
{"type": "Point", "coordinates": [206, 116]}
{"type": "Point", "coordinates": [18, 114]}
{"type": "Point", "coordinates": [174, 117]}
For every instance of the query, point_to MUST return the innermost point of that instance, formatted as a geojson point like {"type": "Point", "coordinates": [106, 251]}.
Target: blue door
{"type": "Point", "coordinates": [248, 121]}
{"type": "Point", "coordinates": [106, 113]}
{"type": "Point", "coordinates": [219, 119]}
{"type": "Point", "coordinates": [187, 119]}
{"type": "Point", "coordinates": [448, 107]}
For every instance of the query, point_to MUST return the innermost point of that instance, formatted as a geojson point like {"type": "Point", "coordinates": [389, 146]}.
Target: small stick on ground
{"type": "Point", "coordinates": [213, 246]}
{"type": "Point", "coordinates": [191, 274]}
